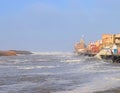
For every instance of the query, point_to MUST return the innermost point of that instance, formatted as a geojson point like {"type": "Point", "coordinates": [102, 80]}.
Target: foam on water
{"type": "Point", "coordinates": [63, 72]}
{"type": "Point", "coordinates": [106, 77]}
{"type": "Point", "coordinates": [35, 67]}
{"type": "Point", "coordinates": [71, 60]}
{"type": "Point", "coordinates": [97, 84]}
{"type": "Point", "coordinates": [52, 53]}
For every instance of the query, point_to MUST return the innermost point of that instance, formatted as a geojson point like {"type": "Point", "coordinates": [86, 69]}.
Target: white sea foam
{"type": "Point", "coordinates": [52, 53]}
{"type": "Point", "coordinates": [96, 67]}
{"type": "Point", "coordinates": [35, 67]}
{"type": "Point", "coordinates": [97, 84]}
{"type": "Point", "coordinates": [104, 74]}
{"type": "Point", "coordinates": [72, 60]}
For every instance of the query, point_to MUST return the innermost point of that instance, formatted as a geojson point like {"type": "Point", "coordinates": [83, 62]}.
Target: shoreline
{"type": "Point", "coordinates": [114, 90]}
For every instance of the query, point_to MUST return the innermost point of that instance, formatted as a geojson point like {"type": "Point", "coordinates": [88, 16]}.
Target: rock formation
{"type": "Point", "coordinates": [21, 52]}
{"type": "Point", "coordinates": [7, 53]}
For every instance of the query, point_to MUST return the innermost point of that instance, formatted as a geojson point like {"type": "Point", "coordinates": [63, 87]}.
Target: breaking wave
{"type": "Point", "coordinates": [57, 72]}
{"type": "Point", "coordinates": [52, 53]}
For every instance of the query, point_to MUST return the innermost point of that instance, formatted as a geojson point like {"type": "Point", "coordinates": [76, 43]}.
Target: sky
{"type": "Point", "coordinates": [55, 25]}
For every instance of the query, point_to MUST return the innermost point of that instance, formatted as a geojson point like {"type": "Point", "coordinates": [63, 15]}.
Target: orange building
{"type": "Point", "coordinates": [93, 47]}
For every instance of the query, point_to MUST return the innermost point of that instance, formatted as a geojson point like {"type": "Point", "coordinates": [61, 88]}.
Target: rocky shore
{"type": "Point", "coordinates": [21, 52]}
{"type": "Point", "coordinates": [14, 53]}
{"type": "Point", "coordinates": [7, 53]}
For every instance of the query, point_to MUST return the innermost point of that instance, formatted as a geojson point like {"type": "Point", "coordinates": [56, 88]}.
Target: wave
{"type": "Point", "coordinates": [35, 67]}
{"type": "Point", "coordinates": [97, 84]}
{"type": "Point", "coordinates": [52, 53]}
{"type": "Point", "coordinates": [71, 60]}
{"type": "Point", "coordinates": [16, 87]}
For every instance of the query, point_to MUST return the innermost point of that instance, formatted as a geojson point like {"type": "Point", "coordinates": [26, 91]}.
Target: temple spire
{"type": "Point", "coordinates": [82, 39]}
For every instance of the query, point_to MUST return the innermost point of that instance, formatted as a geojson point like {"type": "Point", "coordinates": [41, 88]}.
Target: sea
{"type": "Point", "coordinates": [58, 72]}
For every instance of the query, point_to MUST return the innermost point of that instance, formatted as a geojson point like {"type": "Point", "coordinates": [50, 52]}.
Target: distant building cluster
{"type": "Point", "coordinates": [107, 41]}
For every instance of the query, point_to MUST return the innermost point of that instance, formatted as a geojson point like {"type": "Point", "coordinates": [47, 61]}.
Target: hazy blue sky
{"type": "Point", "coordinates": [55, 25]}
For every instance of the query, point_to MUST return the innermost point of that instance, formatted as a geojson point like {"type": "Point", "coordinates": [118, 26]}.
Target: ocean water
{"type": "Point", "coordinates": [57, 73]}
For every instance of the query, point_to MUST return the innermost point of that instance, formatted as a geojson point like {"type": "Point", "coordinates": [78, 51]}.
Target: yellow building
{"type": "Point", "coordinates": [108, 40]}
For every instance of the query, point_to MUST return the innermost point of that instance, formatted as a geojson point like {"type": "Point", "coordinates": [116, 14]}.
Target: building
{"type": "Point", "coordinates": [117, 39]}
{"type": "Point", "coordinates": [80, 46]}
{"type": "Point", "coordinates": [93, 47]}
{"type": "Point", "coordinates": [108, 40]}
